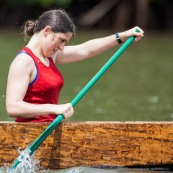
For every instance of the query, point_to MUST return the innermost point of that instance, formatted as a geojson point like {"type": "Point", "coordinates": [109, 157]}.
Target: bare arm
{"type": "Point", "coordinates": [94, 47]}
{"type": "Point", "coordinates": [20, 75]}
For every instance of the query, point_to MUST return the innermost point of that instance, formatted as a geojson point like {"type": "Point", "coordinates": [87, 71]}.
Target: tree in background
{"type": "Point", "coordinates": [107, 14]}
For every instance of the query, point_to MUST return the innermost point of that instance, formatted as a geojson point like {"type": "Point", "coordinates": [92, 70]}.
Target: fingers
{"type": "Point", "coordinates": [69, 111]}
{"type": "Point", "coordinates": [132, 32]}
{"type": "Point", "coordinates": [139, 34]}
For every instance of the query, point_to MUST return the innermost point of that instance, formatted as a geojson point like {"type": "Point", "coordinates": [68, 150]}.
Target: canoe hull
{"type": "Point", "coordinates": [96, 144]}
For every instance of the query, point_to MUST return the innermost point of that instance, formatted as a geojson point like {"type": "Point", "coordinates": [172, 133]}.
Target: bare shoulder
{"type": "Point", "coordinates": [22, 62]}
{"type": "Point", "coordinates": [22, 58]}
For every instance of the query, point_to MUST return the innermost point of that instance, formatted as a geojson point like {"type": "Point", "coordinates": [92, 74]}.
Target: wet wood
{"type": "Point", "coordinates": [91, 143]}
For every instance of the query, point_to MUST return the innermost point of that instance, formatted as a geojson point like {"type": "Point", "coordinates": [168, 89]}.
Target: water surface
{"type": "Point", "coordinates": [97, 170]}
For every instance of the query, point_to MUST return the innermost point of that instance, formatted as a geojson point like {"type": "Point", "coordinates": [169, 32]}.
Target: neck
{"type": "Point", "coordinates": [35, 45]}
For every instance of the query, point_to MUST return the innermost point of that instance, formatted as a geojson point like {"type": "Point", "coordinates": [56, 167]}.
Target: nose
{"type": "Point", "coordinates": [61, 47]}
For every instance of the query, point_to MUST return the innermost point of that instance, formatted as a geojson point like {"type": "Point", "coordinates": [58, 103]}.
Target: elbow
{"type": "Point", "coordinates": [89, 54]}
{"type": "Point", "coordinates": [11, 110]}
{"type": "Point", "coordinates": [11, 113]}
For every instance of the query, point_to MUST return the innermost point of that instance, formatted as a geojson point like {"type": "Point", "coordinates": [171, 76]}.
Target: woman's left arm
{"type": "Point", "coordinates": [94, 47]}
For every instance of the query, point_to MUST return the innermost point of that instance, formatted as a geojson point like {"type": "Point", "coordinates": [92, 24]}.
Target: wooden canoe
{"type": "Point", "coordinates": [96, 144]}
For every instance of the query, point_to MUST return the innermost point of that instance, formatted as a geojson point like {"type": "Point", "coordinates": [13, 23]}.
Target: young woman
{"type": "Point", "coordinates": [34, 82]}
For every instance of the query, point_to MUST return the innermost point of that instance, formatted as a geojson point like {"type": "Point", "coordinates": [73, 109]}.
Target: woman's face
{"type": "Point", "coordinates": [54, 42]}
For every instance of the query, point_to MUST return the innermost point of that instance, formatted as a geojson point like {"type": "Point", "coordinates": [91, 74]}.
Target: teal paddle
{"type": "Point", "coordinates": [78, 97]}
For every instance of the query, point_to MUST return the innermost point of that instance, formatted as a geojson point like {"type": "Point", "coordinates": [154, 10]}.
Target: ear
{"type": "Point", "coordinates": [47, 30]}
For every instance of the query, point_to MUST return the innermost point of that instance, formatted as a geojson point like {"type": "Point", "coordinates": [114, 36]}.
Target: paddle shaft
{"type": "Point", "coordinates": [78, 97]}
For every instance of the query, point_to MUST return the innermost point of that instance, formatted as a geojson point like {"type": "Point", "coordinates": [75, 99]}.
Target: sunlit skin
{"type": "Point", "coordinates": [55, 42]}
{"type": "Point", "coordinates": [44, 44]}
{"type": "Point", "coordinates": [48, 44]}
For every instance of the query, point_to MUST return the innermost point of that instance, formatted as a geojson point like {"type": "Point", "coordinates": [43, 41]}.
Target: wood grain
{"type": "Point", "coordinates": [95, 144]}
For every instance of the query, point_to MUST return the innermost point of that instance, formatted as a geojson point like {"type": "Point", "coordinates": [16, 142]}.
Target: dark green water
{"type": "Point", "coordinates": [138, 87]}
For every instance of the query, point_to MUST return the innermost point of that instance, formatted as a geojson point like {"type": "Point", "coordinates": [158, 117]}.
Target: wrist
{"type": "Point", "coordinates": [117, 35]}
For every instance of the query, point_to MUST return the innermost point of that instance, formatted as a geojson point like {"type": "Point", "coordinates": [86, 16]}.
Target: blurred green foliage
{"type": "Point", "coordinates": [42, 3]}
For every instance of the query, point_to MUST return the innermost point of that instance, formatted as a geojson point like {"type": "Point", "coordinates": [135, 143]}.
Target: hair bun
{"type": "Point", "coordinates": [29, 27]}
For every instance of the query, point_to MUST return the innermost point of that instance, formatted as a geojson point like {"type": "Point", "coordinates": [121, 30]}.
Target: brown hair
{"type": "Point", "coordinates": [58, 20]}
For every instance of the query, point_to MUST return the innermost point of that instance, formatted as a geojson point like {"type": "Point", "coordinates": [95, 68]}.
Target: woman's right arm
{"type": "Point", "coordinates": [19, 78]}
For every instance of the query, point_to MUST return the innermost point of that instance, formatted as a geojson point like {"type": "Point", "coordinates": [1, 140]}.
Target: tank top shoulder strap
{"type": "Point", "coordinates": [29, 52]}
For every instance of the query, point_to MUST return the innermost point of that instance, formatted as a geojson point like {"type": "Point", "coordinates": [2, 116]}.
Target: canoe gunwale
{"type": "Point", "coordinates": [92, 143]}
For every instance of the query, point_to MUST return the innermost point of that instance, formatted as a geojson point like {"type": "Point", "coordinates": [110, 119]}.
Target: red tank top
{"type": "Point", "coordinates": [44, 89]}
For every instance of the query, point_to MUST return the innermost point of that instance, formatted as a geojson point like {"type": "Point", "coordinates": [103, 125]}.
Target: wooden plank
{"type": "Point", "coordinates": [91, 143]}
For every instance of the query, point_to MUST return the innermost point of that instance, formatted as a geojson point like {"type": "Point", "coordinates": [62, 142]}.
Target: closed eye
{"type": "Point", "coordinates": [63, 41]}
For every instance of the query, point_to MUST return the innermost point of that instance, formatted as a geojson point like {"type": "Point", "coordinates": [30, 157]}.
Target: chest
{"type": "Point", "coordinates": [46, 78]}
